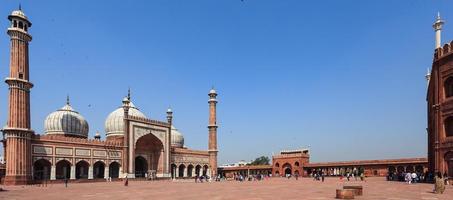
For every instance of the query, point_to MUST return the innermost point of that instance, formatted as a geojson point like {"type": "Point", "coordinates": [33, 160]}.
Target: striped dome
{"type": "Point", "coordinates": [114, 124]}
{"type": "Point", "coordinates": [66, 121]}
{"type": "Point", "coordinates": [177, 139]}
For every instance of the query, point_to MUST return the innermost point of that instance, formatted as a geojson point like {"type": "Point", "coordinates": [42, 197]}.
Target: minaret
{"type": "Point", "coordinates": [170, 123]}
{"type": "Point", "coordinates": [438, 28]}
{"type": "Point", "coordinates": [18, 130]}
{"type": "Point", "coordinates": [127, 168]}
{"type": "Point", "coordinates": [428, 76]}
{"type": "Point", "coordinates": [212, 147]}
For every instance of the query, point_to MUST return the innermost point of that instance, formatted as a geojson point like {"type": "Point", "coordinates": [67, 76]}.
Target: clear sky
{"type": "Point", "coordinates": [343, 77]}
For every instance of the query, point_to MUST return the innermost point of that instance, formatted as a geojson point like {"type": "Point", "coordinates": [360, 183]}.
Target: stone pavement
{"type": "Point", "coordinates": [275, 188]}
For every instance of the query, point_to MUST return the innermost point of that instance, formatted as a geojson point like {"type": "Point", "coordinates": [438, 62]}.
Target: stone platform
{"type": "Point", "coordinates": [275, 188]}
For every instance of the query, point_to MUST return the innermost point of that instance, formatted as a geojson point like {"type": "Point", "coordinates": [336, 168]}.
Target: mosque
{"type": "Point", "coordinates": [135, 146]}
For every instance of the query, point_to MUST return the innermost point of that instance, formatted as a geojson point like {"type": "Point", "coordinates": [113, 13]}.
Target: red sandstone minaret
{"type": "Point", "coordinates": [212, 147]}
{"type": "Point", "coordinates": [18, 130]}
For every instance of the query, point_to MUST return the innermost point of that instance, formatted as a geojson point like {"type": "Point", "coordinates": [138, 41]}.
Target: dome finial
{"type": "Point", "coordinates": [20, 6]}
{"type": "Point", "coordinates": [67, 99]}
{"type": "Point", "coordinates": [129, 93]}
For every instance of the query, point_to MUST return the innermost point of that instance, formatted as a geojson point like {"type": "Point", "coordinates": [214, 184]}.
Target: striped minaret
{"type": "Point", "coordinates": [212, 127]}
{"type": "Point", "coordinates": [18, 130]}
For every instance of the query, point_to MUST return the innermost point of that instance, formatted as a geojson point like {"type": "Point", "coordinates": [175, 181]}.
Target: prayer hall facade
{"type": "Point", "coordinates": [135, 146]}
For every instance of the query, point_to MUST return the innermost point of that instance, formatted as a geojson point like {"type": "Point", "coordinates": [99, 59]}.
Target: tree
{"type": "Point", "coordinates": [263, 160]}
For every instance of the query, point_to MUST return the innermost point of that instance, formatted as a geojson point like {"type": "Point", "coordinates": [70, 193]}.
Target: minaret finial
{"type": "Point", "coordinates": [438, 28]}
{"type": "Point", "coordinates": [129, 93]}
{"type": "Point", "coordinates": [428, 75]}
{"type": "Point", "coordinates": [67, 99]}
{"type": "Point", "coordinates": [20, 6]}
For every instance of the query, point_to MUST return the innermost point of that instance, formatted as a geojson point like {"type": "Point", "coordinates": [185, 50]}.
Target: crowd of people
{"type": "Point", "coordinates": [355, 175]}
{"type": "Point", "coordinates": [252, 177]}
{"type": "Point", "coordinates": [416, 177]}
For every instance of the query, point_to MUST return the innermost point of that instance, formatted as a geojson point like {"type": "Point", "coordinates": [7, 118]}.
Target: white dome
{"type": "Point", "coordinates": [177, 139]}
{"type": "Point", "coordinates": [19, 13]}
{"type": "Point", "coordinates": [66, 121]}
{"type": "Point", "coordinates": [114, 124]}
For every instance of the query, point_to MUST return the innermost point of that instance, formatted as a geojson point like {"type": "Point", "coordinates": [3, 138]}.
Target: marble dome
{"type": "Point", "coordinates": [66, 121]}
{"type": "Point", "coordinates": [114, 124]}
{"type": "Point", "coordinates": [18, 13]}
{"type": "Point", "coordinates": [177, 139]}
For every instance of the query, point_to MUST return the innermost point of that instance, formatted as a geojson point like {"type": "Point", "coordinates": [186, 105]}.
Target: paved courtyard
{"type": "Point", "coordinates": [276, 188]}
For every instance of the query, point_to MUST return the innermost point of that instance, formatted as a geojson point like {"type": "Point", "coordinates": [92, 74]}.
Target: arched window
{"type": "Point", "coordinates": [277, 165]}
{"type": "Point", "coordinates": [449, 126]}
{"type": "Point", "coordinates": [448, 86]}
{"type": "Point", "coordinates": [14, 23]}
{"type": "Point", "coordinates": [297, 164]}
{"type": "Point", "coordinates": [21, 25]}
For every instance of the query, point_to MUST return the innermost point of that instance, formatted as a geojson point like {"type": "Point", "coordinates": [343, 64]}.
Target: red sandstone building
{"type": "Point", "coordinates": [440, 106]}
{"type": "Point", "coordinates": [135, 146]}
{"type": "Point", "coordinates": [296, 162]}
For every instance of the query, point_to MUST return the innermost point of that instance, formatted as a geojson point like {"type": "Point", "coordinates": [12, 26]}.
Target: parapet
{"type": "Point", "coordinates": [444, 51]}
{"type": "Point", "coordinates": [59, 138]}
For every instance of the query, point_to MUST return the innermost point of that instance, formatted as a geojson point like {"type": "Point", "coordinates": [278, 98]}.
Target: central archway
{"type": "Point", "coordinates": [141, 166]}
{"type": "Point", "coordinates": [288, 169]}
{"type": "Point", "coordinates": [151, 152]}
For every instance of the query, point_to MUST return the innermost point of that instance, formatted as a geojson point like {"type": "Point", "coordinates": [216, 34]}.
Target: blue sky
{"type": "Point", "coordinates": [343, 77]}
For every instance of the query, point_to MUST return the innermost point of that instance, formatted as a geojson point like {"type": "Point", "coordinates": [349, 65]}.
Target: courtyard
{"type": "Point", "coordinates": [274, 188]}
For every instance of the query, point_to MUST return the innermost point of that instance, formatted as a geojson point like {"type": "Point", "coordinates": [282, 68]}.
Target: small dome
{"type": "Point", "coordinates": [114, 124]}
{"type": "Point", "coordinates": [18, 13]}
{"type": "Point", "coordinates": [177, 139]}
{"type": "Point", "coordinates": [212, 91]}
{"type": "Point", "coordinates": [66, 121]}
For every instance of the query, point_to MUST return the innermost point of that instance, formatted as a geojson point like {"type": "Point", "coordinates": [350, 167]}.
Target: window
{"type": "Point", "coordinates": [277, 165]}
{"type": "Point", "coordinates": [21, 75]}
{"type": "Point", "coordinates": [21, 25]}
{"type": "Point", "coordinates": [448, 85]}
{"type": "Point", "coordinates": [297, 164]}
{"type": "Point", "coordinates": [449, 126]}
{"type": "Point", "coordinates": [15, 24]}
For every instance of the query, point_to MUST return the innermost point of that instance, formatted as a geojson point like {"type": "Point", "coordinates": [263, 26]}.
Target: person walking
{"type": "Point", "coordinates": [439, 185]}
{"type": "Point", "coordinates": [66, 182]}
{"type": "Point", "coordinates": [322, 177]}
{"type": "Point", "coordinates": [126, 181]}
